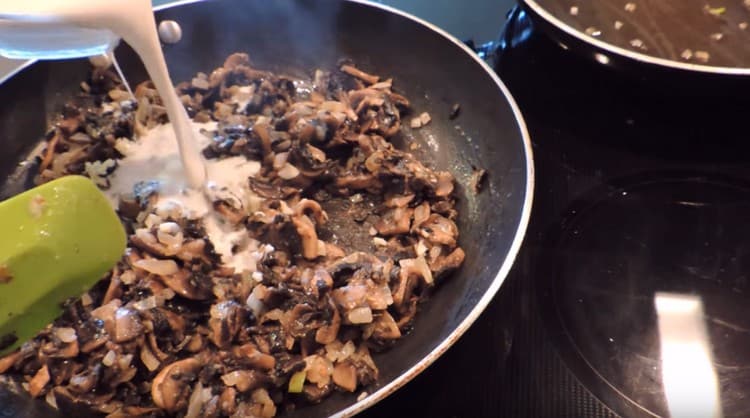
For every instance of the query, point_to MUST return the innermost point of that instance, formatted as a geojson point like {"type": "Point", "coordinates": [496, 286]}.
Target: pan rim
{"type": "Point", "coordinates": [637, 56]}
{"type": "Point", "coordinates": [518, 237]}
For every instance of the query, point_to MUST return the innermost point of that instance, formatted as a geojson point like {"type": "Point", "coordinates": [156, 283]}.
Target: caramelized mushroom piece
{"type": "Point", "coordinates": [445, 184]}
{"type": "Point", "coordinates": [226, 319]}
{"type": "Point", "coordinates": [356, 72]}
{"type": "Point", "coordinates": [448, 263]}
{"type": "Point", "coordinates": [254, 358]}
{"type": "Point", "coordinates": [394, 222]}
{"type": "Point", "coordinates": [345, 376]}
{"type": "Point", "coordinates": [39, 381]}
{"type": "Point", "coordinates": [306, 230]}
{"type": "Point", "coordinates": [170, 388]}
{"type": "Point", "coordinates": [84, 382]}
{"type": "Point", "coordinates": [384, 328]}
{"type": "Point", "coordinates": [229, 212]}
{"type": "Point", "coordinates": [127, 325]}
{"type": "Point", "coordinates": [328, 333]}
{"type": "Point", "coordinates": [316, 283]}
{"type": "Point", "coordinates": [7, 362]}
{"type": "Point", "coordinates": [439, 230]}
{"type": "Point", "coordinates": [228, 401]}
{"type": "Point", "coordinates": [306, 227]}
{"type": "Point", "coordinates": [245, 380]}
{"type": "Point", "coordinates": [188, 285]}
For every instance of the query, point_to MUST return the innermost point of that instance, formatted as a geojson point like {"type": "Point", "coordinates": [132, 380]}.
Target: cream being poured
{"type": "Point", "coordinates": [168, 155]}
{"type": "Point", "coordinates": [131, 20]}
{"type": "Point", "coordinates": [155, 158]}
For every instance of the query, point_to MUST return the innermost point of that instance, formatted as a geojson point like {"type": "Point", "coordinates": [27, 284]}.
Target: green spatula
{"type": "Point", "coordinates": [56, 241]}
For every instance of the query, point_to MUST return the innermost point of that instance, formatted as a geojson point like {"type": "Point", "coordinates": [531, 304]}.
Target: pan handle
{"type": "Point", "coordinates": [516, 29]}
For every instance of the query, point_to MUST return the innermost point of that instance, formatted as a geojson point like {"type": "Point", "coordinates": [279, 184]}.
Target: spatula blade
{"type": "Point", "coordinates": [58, 239]}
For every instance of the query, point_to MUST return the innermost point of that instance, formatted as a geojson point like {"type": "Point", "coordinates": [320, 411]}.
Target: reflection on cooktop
{"type": "Point", "coordinates": [672, 232]}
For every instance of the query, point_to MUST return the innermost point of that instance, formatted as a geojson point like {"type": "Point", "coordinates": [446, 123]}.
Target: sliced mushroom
{"type": "Point", "coordinates": [421, 214]}
{"type": "Point", "coordinates": [306, 230]}
{"type": "Point", "coordinates": [106, 314]}
{"type": "Point", "coordinates": [226, 319]}
{"type": "Point", "coordinates": [170, 388]}
{"type": "Point", "coordinates": [303, 304]}
{"type": "Point", "coordinates": [396, 221]}
{"type": "Point", "coordinates": [315, 394]}
{"type": "Point", "coordinates": [228, 401]}
{"type": "Point", "coordinates": [367, 372]}
{"type": "Point", "coordinates": [127, 324]}
{"type": "Point", "coordinates": [84, 382]}
{"type": "Point", "coordinates": [345, 376]}
{"type": "Point", "coordinates": [188, 285]}
{"type": "Point", "coordinates": [232, 214]}
{"type": "Point", "coordinates": [399, 201]}
{"type": "Point", "coordinates": [351, 296]}
{"type": "Point", "coordinates": [448, 263]}
{"type": "Point", "coordinates": [445, 184]}
{"type": "Point", "coordinates": [328, 333]}
{"type": "Point", "coordinates": [8, 361]}
{"type": "Point", "coordinates": [39, 381]}
{"type": "Point", "coordinates": [384, 328]}
{"type": "Point", "coordinates": [245, 380]}
{"type": "Point", "coordinates": [255, 358]}
{"type": "Point", "coordinates": [439, 230]}
{"type": "Point", "coordinates": [356, 72]}
{"type": "Point", "coordinates": [316, 283]}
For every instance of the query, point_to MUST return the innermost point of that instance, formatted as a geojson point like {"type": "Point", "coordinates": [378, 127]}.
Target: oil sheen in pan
{"type": "Point", "coordinates": [708, 36]}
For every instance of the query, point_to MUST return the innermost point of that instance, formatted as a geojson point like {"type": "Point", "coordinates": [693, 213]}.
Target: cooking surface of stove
{"type": "Point", "coordinates": [642, 187]}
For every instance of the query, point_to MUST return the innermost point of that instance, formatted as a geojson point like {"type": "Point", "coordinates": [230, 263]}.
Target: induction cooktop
{"type": "Point", "coordinates": [643, 186]}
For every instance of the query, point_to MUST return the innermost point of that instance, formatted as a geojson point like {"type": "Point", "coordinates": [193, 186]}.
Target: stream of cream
{"type": "Point", "coordinates": [134, 22]}
{"type": "Point", "coordinates": [169, 154]}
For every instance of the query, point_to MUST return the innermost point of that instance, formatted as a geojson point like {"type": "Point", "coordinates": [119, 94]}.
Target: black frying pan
{"type": "Point", "coordinates": [297, 36]}
{"type": "Point", "coordinates": [710, 37]}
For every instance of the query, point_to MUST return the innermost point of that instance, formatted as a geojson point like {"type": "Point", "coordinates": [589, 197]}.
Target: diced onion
{"type": "Point", "coordinates": [86, 299]}
{"type": "Point", "coordinates": [233, 378]}
{"type": "Point", "coordinates": [51, 399]}
{"type": "Point", "coordinates": [109, 358]}
{"type": "Point", "coordinates": [128, 277]}
{"type": "Point", "coordinates": [152, 220]}
{"type": "Point", "coordinates": [66, 335]}
{"type": "Point", "coordinates": [254, 303]}
{"type": "Point", "coordinates": [158, 267]}
{"type": "Point", "coordinates": [361, 315]}
{"type": "Point", "coordinates": [146, 304]}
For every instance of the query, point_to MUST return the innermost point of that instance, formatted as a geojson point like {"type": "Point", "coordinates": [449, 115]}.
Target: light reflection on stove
{"type": "Point", "coordinates": [688, 374]}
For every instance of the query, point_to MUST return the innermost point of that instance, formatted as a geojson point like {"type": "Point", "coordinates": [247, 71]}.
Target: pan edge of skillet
{"type": "Point", "coordinates": [433, 72]}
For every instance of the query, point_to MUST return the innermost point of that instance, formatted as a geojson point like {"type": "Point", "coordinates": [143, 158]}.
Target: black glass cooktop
{"type": "Point", "coordinates": [643, 187]}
